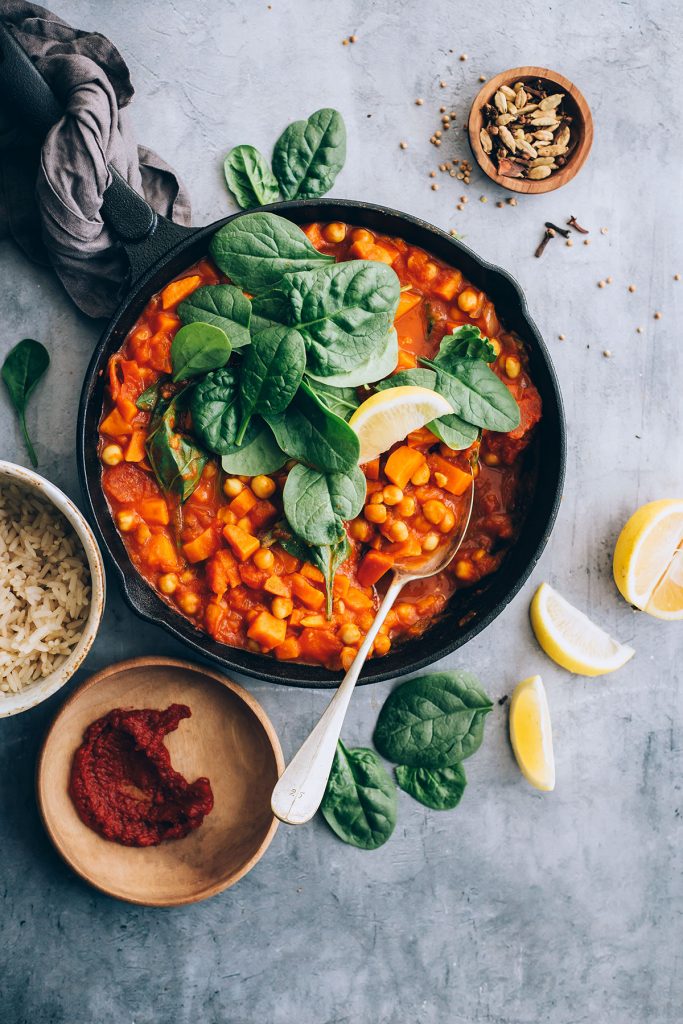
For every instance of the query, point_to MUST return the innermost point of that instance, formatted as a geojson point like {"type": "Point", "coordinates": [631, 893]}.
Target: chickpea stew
{"type": "Point", "coordinates": [202, 473]}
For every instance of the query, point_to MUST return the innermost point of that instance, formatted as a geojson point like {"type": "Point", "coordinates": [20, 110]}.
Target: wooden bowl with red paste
{"type": "Point", "coordinates": [154, 781]}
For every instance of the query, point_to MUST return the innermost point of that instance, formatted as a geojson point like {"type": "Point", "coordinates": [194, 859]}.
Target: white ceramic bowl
{"type": "Point", "coordinates": [38, 691]}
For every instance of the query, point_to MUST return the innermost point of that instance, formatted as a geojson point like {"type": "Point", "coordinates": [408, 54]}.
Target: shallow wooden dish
{"type": "Point", "coordinates": [582, 125]}
{"type": "Point", "coordinates": [229, 739]}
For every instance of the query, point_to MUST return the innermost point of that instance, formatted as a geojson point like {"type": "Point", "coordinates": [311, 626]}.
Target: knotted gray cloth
{"type": "Point", "coordinates": [50, 199]}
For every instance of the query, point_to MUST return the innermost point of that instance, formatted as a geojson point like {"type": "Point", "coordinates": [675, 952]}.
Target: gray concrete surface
{"type": "Point", "coordinates": [517, 908]}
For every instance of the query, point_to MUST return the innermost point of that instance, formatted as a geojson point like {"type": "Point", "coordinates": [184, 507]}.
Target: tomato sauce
{"type": "Point", "coordinates": [215, 558]}
{"type": "Point", "coordinates": [124, 786]}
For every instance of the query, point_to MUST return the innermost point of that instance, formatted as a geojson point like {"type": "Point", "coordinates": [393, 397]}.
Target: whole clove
{"type": "Point", "coordinates": [573, 223]}
{"type": "Point", "coordinates": [560, 231]}
{"type": "Point", "coordinates": [549, 233]}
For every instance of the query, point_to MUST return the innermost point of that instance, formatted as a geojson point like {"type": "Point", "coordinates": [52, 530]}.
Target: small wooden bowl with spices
{"type": "Point", "coordinates": [530, 130]}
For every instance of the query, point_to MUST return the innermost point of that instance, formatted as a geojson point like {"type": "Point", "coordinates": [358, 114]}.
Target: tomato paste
{"type": "Point", "coordinates": [124, 786]}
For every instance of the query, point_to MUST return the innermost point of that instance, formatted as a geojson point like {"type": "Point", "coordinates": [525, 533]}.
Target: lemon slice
{"type": "Point", "coordinates": [667, 599]}
{"type": "Point", "coordinates": [531, 733]}
{"type": "Point", "coordinates": [571, 639]}
{"type": "Point", "coordinates": [647, 562]}
{"type": "Point", "coordinates": [390, 415]}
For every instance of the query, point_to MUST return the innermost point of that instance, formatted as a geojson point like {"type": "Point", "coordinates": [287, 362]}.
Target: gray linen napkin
{"type": "Point", "coordinates": [50, 198]}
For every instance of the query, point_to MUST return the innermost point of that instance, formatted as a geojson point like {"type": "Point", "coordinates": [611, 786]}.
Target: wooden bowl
{"type": "Point", "coordinates": [574, 103]}
{"type": "Point", "coordinates": [229, 739]}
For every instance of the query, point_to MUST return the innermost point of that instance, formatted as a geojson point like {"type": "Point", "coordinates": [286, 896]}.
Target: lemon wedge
{"type": "Point", "coordinates": [648, 559]}
{"type": "Point", "coordinates": [531, 733]}
{"type": "Point", "coordinates": [571, 639]}
{"type": "Point", "coordinates": [390, 415]}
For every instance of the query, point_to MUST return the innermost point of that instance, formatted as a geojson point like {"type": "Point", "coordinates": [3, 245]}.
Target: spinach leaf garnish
{"type": "Point", "coordinates": [438, 788]}
{"type": "Point", "coordinates": [149, 397]}
{"type": "Point", "coordinates": [23, 367]}
{"type": "Point", "coordinates": [222, 305]}
{"type": "Point", "coordinates": [249, 177]}
{"type": "Point", "coordinates": [379, 364]}
{"type": "Point", "coordinates": [309, 155]}
{"type": "Point", "coordinates": [257, 249]}
{"type": "Point", "coordinates": [309, 432]}
{"type": "Point", "coordinates": [316, 504]}
{"type": "Point", "coordinates": [197, 348]}
{"type": "Point", "coordinates": [341, 401]}
{"type": "Point", "coordinates": [215, 409]}
{"type": "Point", "coordinates": [257, 454]}
{"type": "Point", "coordinates": [360, 799]}
{"type": "Point", "coordinates": [452, 430]}
{"type": "Point", "coordinates": [177, 462]}
{"type": "Point", "coordinates": [433, 721]}
{"type": "Point", "coordinates": [326, 557]}
{"type": "Point", "coordinates": [271, 372]}
{"type": "Point", "coordinates": [343, 312]}
{"type": "Point", "coordinates": [465, 342]}
{"type": "Point", "coordinates": [476, 394]}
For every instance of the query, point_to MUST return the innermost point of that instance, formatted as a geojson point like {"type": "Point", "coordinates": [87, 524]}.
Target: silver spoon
{"type": "Point", "coordinates": [301, 787]}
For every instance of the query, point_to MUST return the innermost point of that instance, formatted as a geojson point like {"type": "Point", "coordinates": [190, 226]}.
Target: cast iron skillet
{"type": "Point", "coordinates": [159, 250]}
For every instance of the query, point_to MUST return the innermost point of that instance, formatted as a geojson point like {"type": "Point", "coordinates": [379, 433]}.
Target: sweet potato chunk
{"type": "Point", "coordinates": [401, 465]}
{"type": "Point", "coordinates": [242, 543]}
{"type": "Point", "coordinates": [222, 572]}
{"type": "Point", "coordinates": [267, 631]}
{"type": "Point", "coordinates": [203, 546]}
{"type": "Point", "coordinates": [155, 511]}
{"type": "Point", "coordinates": [373, 567]}
{"type": "Point", "coordinates": [176, 291]}
{"type": "Point", "coordinates": [306, 592]}
{"type": "Point", "coordinates": [457, 480]}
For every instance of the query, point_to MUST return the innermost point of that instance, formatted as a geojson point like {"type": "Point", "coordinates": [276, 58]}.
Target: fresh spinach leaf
{"type": "Point", "coordinates": [316, 504]}
{"type": "Point", "coordinates": [466, 342]}
{"type": "Point", "coordinates": [360, 799]}
{"type": "Point", "coordinates": [309, 155]}
{"type": "Point", "coordinates": [149, 397]}
{"type": "Point", "coordinates": [343, 312]}
{"type": "Point", "coordinates": [177, 462]}
{"type": "Point", "coordinates": [271, 372]}
{"type": "Point", "coordinates": [249, 177]}
{"type": "Point", "coordinates": [257, 249]}
{"type": "Point", "coordinates": [452, 430]}
{"type": "Point", "coordinates": [476, 394]}
{"type": "Point", "coordinates": [197, 348]}
{"type": "Point", "coordinates": [258, 455]}
{"type": "Point", "coordinates": [438, 788]}
{"type": "Point", "coordinates": [222, 305]}
{"type": "Point", "coordinates": [326, 557]}
{"type": "Point", "coordinates": [23, 367]}
{"type": "Point", "coordinates": [341, 401]}
{"type": "Point", "coordinates": [216, 411]}
{"type": "Point", "coordinates": [379, 364]}
{"type": "Point", "coordinates": [310, 433]}
{"type": "Point", "coordinates": [433, 721]}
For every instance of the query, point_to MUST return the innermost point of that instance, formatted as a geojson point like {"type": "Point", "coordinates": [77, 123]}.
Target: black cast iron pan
{"type": "Point", "coordinates": [159, 250]}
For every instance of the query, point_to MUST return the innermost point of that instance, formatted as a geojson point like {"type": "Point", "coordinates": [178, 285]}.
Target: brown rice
{"type": "Point", "coordinates": [44, 588]}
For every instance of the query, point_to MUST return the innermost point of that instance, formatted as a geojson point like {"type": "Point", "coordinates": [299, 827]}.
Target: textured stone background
{"type": "Point", "coordinates": [517, 908]}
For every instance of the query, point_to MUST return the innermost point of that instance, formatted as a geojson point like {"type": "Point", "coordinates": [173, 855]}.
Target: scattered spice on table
{"type": "Point", "coordinates": [658, 315]}
{"type": "Point", "coordinates": [573, 223]}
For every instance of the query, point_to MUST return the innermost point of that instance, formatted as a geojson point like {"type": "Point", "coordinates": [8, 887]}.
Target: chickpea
{"type": "Point", "coordinates": [440, 479]}
{"type": "Point", "coordinates": [186, 576]}
{"type": "Point", "coordinates": [421, 475]}
{"type": "Point", "coordinates": [429, 271]}
{"type": "Point", "coordinates": [189, 602]}
{"type": "Point", "coordinates": [168, 583]}
{"type": "Point", "coordinates": [349, 634]}
{"type": "Point", "coordinates": [430, 542]}
{"type": "Point", "coordinates": [126, 520]}
{"type": "Point", "coordinates": [376, 498]}
{"type": "Point", "coordinates": [263, 558]}
{"type": "Point", "coordinates": [490, 459]}
{"type": "Point", "coordinates": [348, 656]}
{"type": "Point", "coordinates": [365, 620]}
{"type": "Point", "coordinates": [434, 511]}
{"type": "Point", "coordinates": [407, 613]}
{"type": "Point", "coordinates": [232, 487]}
{"type": "Point", "coordinates": [406, 507]}
{"type": "Point", "coordinates": [468, 300]}
{"type": "Point", "coordinates": [479, 554]}
{"type": "Point", "coordinates": [112, 454]}
{"type": "Point", "coordinates": [361, 235]}
{"type": "Point", "coordinates": [334, 232]}
{"type": "Point", "coordinates": [210, 470]}
{"type": "Point", "coordinates": [339, 607]}
{"type": "Point", "coordinates": [399, 531]}
{"type": "Point", "coordinates": [360, 530]}
{"type": "Point", "coordinates": [495, 345]}
{"type": "Point", "coordinates": [375, 513]}
{"type": "Point", "coordinates": [463, 569]}
{"type": "Point", "coordinates": [244, 524]}
{"type": "Point", "coordinates": [142, 533]}
{"type": "Point", "coordinates": [382, 644]}
{"type": "Point", "coordinates": [281, 607]}
{"type": "Point", "coordinates": [448, 522]}
{"type": "Point", "coordinates": [512, 367]}
{"type": "Point", "coordinates": [263, 486]}
{"type": "Point", "coordinates": [392, 495]}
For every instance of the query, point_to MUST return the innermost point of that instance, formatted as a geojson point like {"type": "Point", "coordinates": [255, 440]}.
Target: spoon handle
{"type": "Point", "coordinates": [301, 787]}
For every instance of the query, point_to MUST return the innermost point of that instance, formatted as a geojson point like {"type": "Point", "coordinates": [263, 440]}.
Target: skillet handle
{"type": "Point", "coordinates": [145, 235]}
